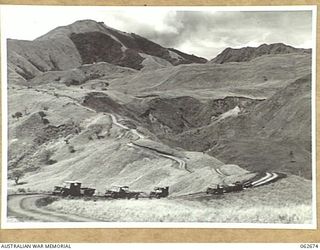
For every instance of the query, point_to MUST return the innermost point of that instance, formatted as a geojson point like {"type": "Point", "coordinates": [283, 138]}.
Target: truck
{"type": "Point", "coordinates": [217, 189]}
{"type": "Point", "coordinates": [121, 192]}
{"type": "Point", "coordinates": [73, 189]}
{"type": "Point", "coordinates": [221, 189]}
{"type": "Point", "coordinates": [159, 192]}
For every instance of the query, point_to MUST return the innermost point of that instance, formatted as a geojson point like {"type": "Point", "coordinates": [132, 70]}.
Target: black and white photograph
{"type": "Point", "coordinates": [158, 117]}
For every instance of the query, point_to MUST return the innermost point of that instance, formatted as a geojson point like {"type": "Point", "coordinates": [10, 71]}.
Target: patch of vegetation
{"type": "Point", "coordinates": [46, 201]}
{"type": "Point", "coordinates": [15, 175]}
{"type": "Point", "coordinates": [17, 115]}
{"type": "Point", "coordinates": [71, 149]}
{"type": "Point", "coordinates": [42, 114]}
{"type": "Point", "coordinates": [72, 82]}
{"type": "Point", "coordinates": [21, 190]}
{"type": "Point", "coordinates": [46, 158]}
{"type": "Point", "coordinates": [45, 121]}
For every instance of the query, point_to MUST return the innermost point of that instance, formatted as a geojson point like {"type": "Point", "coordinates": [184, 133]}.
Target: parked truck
{"type": "Point", "coordinates": [217, 189]}
{"type": "Point", "coordinates": [221, 189]}
{"type": "Point", "coordinates": [121, 192]}
{"type": "Point", "coordinates": [74, 189]}
{"type": "Point", "coordinates": [159, 192]}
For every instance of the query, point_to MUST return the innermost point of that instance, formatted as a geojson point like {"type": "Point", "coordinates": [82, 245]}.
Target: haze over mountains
{"type": "Point", "coordinates": [247, 110]}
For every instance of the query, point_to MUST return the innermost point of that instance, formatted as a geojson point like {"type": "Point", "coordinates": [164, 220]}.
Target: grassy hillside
{"type": "Point", "coordinates": [275, 134]}
{"type": "Point", "coordinates": [73, 137]}
{"type": "Point", "coordinates": [258, 78]}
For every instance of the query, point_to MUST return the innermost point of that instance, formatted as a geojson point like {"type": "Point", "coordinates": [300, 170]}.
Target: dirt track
{"type": "Point", "coordinates": [23, 208]}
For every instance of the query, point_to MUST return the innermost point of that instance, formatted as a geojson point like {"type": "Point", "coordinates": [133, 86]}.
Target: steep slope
{"type": "Point", "coordinates": [276, 134]}
{"type": "Point", "coordinates": [171, 116]}
{"type": "Point", "coordinates": [31, 58]}
{"type": "Point", "coordinates": [86, 42]}
{"type": "Point", "coordinates": [249, 53]}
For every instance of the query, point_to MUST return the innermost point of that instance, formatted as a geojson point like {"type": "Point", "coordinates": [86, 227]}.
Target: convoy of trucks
{"type": "Point", "coordinates": [75, 189]}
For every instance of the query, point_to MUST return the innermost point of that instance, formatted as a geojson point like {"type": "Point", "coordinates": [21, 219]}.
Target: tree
{"type": "Point", "coordinates": [292, 156]}
{"type": "Point", "coordinates": [16, 175]}
{"type": "Point", "coordinates": [45, 121]}
{"type": "Point", "coordinates": [42, 114]}
{"type": "Point", "coordinates": [17, 115]}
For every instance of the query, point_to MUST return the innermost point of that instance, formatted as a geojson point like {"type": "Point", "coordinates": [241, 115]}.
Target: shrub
{"type": "Point", "coordinates": [45, 121]}
{"type": "Point", "coordinates": [45, 158]}
{"type": "Point", "coordinates": [51, 162]}
{"type": "Point", "coordinates": [17, 115]}
{"type": "Point", "coordinates": [42, 114]}
{"type": "Point", "coordinates": [21, 190]}
{"type": "Point", "coordinates": [71, 149]}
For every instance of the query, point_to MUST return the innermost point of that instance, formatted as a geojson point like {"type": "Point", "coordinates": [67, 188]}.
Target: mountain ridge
{"type": "Point", "coordinates": [245, 54]}
{"type": "Point", "coordinates": [86, 42]}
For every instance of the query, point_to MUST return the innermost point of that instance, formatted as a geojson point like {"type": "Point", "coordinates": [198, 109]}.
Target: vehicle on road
{"type": "Point", "coordinates": [221, 189]}
{"type": "Point", "coordinates": [217, 189]}
{"type": "Point", "coordinates": [234, 187]}
{"type": "Point", "coordinates": [159, 192]}
{"type": "Point", "coordinates": [121, 192]}
{"type": "Point", "coordinates": [74, 189]}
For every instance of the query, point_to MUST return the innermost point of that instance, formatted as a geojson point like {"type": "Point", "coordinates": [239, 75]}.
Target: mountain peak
{"type": "Point", "coordinates": [248, 53]}
{"type": "Point", "coordinates": [87, 42]}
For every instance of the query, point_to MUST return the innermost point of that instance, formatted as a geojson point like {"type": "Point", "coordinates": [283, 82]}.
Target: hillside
{"type": "Point", "coordinates": [87, 42]}
{"type": "Point", "coordinates": [259, 78]}
{"type": "Point", "coordinates": [90, 103]}
{"type": "Point", "coordinates": [71, 137]}
{"type": "Point", "coordinates": [275, 134]}
{"type": "Point", "coordinates": [249, 53]}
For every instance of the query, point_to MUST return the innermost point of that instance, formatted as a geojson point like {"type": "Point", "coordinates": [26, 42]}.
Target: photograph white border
{"type": "Point", "coordinates": [36, 225]}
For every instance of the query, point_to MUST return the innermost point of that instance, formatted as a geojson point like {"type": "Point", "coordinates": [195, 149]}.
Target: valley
{"type": "Point", "coordinates": [90, 103]}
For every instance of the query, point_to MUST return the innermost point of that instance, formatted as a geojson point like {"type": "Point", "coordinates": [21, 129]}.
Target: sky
{"type": "Point", "coordinates": [203, 32]}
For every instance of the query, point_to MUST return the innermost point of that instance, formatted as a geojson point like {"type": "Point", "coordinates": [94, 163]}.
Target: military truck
{"type": "Point", "coordinates": [221, 189]}
{"type": "Point", "coordinates": [159, 192]}
{"type": "Point", "coordinates": [234, 187]}
{"type": "Point", "coordinates": [217, 189]}
{"type": "Point", "coordinates": [121, 192]}
{"type": "Point", "coordinates": [74, 189]}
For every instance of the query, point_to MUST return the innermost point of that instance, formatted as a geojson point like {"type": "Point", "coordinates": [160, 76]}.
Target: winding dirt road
{"type": "Point", "coordinates": [181, 163]}
{"type": "Point", "coordinates": [265, 179]}
{"type": "Point", "coordinates": [133, 131]}
{"type": "Point", "coordinates": [24, 208]}
{"type": "Point", "coordinates": [218, 171]}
